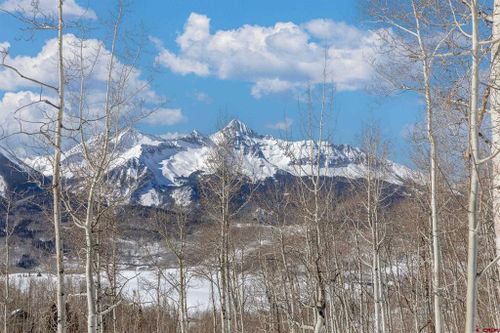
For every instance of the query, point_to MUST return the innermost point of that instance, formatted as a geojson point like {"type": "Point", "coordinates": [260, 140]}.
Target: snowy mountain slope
{"type": "Point", "coordinates": [159, 170]}
{"type": "Point", "coordinates": [18, 178]}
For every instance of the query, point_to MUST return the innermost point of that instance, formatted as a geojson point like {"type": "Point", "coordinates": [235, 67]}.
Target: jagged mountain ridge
{"type": "Point", "coordinates": [160, 170]}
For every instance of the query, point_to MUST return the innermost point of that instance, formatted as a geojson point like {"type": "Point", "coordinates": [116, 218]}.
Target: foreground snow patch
{"type": "Point", "coordinates": [139, 285]}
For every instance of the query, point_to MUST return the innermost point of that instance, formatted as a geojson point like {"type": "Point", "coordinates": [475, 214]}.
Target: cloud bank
{"type": "Point", "coordinates": [275, 58]}
{"type": "Point", "coordinates": [20, 111]}
{"type": "Point", "coordinates": [164, 116]}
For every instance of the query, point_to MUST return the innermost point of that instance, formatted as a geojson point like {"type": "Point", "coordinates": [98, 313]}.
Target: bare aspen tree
{"type": "Point", "coordinates": [222, 188]}
{"type": "Point", "coordinates": [433, 159]}
{"type": "Point", "coordinates": [314, 194]}
{"type": "Point", "coordinates": [474, 173]}
{"type": "Point", "coordinates": [99, 162]}
{"type": "Point", "coordinates": [494, 101]}
{"type": "Point", "coordinates": [98, 148]}
{"type": "Point", "coordinates": [56, 178]}
{"type": "Point", "coordinates": [377, 194]}
{"type": "Point", "coordinates": [475, 116]}
{"type": "Point", "coordinates": [173, 230]}
{"type": "Point", "coordinates": [221, 198]}
{"type": "Point", "coordinates": [56, 139]}
{"type": "Point", "coordinates": [317, 213]}
{"type": "Point", "coordinates": [277, 202]}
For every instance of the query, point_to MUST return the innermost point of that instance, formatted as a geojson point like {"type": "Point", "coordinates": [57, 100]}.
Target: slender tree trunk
{"type": "Point", "coordinates": [474, 177]}
{"type": "Point", "coordinates": [374, 230]}
{"type": "Point", "coordinates": [89, 259]}
{"type": "Point", "coordinates": [7, 274]}
{"type": "Point", "coordinates": [89, 278]}
{"type": "Point", "coordinates": [495, 123]}
{"type": "Point", "coordinates": [376, 285]}
{"type": "Point", "coordinates": [98, 284]}
{"type": "Point", "coordinates": [56, 182]}
{"type": "Point", "coordinates": [241, 293]}
{"type": "Point", "coordinates": [7, 287]}
{"type": "Point", "coordinates": [381, 295]}
{"type": "Point", "coordinates": [182, 295]}
{"type": "Point", "coordinates": [96, 180]}
{"type": "Point", "coordinates": [223, 281]}
{"type": "Point", "coordinates": [158, 300]}
{"type": "Point", "coordinates": [113, 281]}
{"type": "Point", "coordinates": [436, 252]}
{"type": "Point", "coordinates": [227, 280]}
{"type": "Point", "coordinates": [214, 308]}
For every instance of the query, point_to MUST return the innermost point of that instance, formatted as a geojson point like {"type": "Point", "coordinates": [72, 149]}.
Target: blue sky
{"type": "Point", "coordinates": [200, 83]}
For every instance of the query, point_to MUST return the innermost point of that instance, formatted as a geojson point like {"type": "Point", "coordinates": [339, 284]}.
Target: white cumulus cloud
{"type": "Point", "coordinates": [48, 8]}
{"type": "Point", "coordinates": [42, 66]}
{"type": "Point", "coordinates": [182, 65]}
{"type": "Point", "coordinates": [20, 116]}
{"type": "Point", "coordinates": [270, 86]}
{"type": "Point", "coordinates": [275, 58]}
{"type": "Point", "coordinates": [282, 125]}
{"type": "Point", "coordinates": [335, 32]}
{"type": "Point", "coordinates": [14, 116]}
{"type": "Point", "coordinates": [164, 116]}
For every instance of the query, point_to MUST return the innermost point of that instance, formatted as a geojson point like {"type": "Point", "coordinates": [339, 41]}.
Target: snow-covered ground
{"type": "Point", "coordinates": [139, 285]}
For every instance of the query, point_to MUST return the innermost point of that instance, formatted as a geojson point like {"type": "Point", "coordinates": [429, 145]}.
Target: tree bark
{"type": "Point", "coordinates": [495, 123]}
{"type": "Point", "coordinates": [56, 181]}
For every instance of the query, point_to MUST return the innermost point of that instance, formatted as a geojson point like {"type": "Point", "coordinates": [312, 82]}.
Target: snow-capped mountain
{"type": "Point", "coordinates": [160, 170]}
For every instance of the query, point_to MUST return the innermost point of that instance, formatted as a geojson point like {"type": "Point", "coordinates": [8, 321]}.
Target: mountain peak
{"type": "Point", "coordinates": [237, 128]}
{"type": "Point", "coordinates": [132, 137]}
{"type": "Point", "coordinates": [197, 134]}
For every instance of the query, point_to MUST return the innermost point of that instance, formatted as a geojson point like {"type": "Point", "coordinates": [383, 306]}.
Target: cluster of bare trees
{"type": "Point", "coordinates": [440, 283]}
{"type": "Point", "coordinates": [449, 44]}
{"type": "Point", "coordinates": [74, 117]}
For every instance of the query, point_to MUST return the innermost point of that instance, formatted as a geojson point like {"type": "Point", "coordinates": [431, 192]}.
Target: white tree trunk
{"type": "Point", "coordinates": [56, 182]}
{"type": "Point", "coordinates": [436, 251]}
{"type": "Point", "coordinates": [182, 296]}
{"type": "Point", "coordinates": [474, 177]}
{"type": "Point", "coordinates": [98, 286]}
{"type": "Point", "coordinates": [495, 122]}
{"type": "Point", "coordinates": [433, 155]}
{"type": "Point", "coordinates": [89, 278]}
{"type": "Point", "coordinates": [6, 277]}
